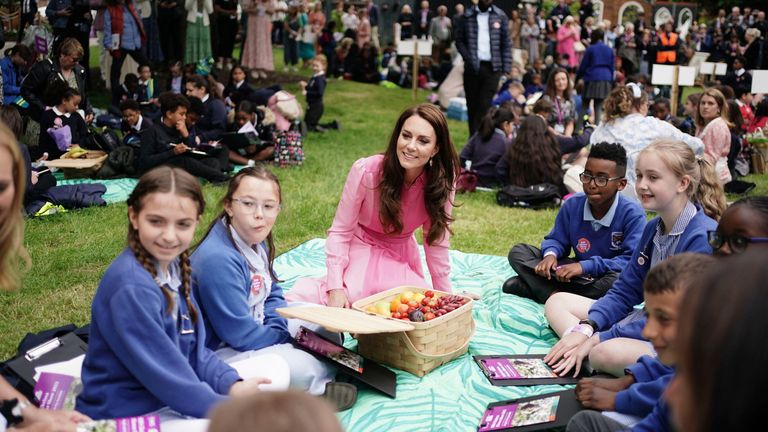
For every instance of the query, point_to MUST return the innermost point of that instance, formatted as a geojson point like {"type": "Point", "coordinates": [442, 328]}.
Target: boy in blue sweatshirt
{"type": "Point", "coordinates": [314, 90]}
{"type": "Point", "coordinates": [638, 394]}
{"type": "Point", "coordinates": [600, 225]}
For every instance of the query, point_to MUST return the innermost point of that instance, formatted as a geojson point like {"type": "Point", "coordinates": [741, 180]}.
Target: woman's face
{"type": "Point", "coordinates": [690, 108]}
{"type": "Point", "coordinates": [7, 187]}
{"type": "Point", "coordinates": [416, 144]}
{"type": "Point", "coordinates": [708, 108]}
{"type": "Point", "coordinates": [561, 82]}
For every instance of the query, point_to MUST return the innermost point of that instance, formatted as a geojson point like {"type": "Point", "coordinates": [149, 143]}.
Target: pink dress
{"type": "Point", "coordinates": [257, 52]}
{"type": "Point", "coordinates": [717, 144]}
{"type": "Point", "coordinates": [360, 257]}
{"type": "Point", "coordinates": [566, 37]}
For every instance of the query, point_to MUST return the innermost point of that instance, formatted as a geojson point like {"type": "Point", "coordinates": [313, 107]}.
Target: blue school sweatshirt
{"type": "Point", "coordinates": [608, 248]}
{"type": "Point", "coordinates": [221, 281]}
{"type": "Point", "coordinates": [138, 361]}
{"type": "Point", "coordinates": [658, 420]}
{"type": "Point", "coordinates": [651, 378]}
{"type": "Point", "coordinates": [627, 291]}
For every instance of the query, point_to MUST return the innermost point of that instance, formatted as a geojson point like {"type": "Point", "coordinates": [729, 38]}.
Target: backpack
{"type": "Point", "coordinates": [467, 181]}
{"type": "Point", "coordinates": [538, 196]}
{"type": "Point", "coordinates": [289, 149]}
{"type": "Point", "coordinates": [101, 138]}
{"type": "Point", "coordinates": [120, 163]}
{"type": "Point", "coordinates": [287, 105]}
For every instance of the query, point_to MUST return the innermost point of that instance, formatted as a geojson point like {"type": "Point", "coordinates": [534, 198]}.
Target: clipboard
{"type": "Point", "coordinates": [353, 364]}
{"type": "Point", "coordinates": [240, 140]}
{"type": "Point", "coordinates": [483, 361]}
{"type": "Point", "coordinates": [567, 407]}
{"type": "Point", "coordinates": [579, 280]}
{"type": "Point", "coordinates": [56, 350]}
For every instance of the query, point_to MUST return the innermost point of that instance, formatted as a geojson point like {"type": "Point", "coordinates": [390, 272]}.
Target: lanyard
{"type": "Point", "coordinates": [559, 111]}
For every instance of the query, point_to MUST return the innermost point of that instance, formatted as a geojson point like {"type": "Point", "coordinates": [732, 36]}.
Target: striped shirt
{"type": "Point", "coordinates": [664, 245]}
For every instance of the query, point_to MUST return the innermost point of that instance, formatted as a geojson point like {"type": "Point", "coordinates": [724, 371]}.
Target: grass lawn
{"type": "Point", "coordinates": [70, 251]}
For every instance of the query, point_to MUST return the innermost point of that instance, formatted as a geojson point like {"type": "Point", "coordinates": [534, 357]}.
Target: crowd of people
{"type": "Point", "coordinates": [186, 333]}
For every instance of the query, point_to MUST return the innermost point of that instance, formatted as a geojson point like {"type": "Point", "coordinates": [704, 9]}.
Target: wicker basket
{"type": "Point", "coordinates": [431, 343]}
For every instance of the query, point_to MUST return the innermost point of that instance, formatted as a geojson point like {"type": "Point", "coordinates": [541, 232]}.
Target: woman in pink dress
{"type": "Point", "coordinates": [567, 35]}
{"type": "Point", "coordinates": [713, 128]}
{"type": "Point", "coordinates": [370, 246]}
{"type": "Point", "coordinates": [257, 52]}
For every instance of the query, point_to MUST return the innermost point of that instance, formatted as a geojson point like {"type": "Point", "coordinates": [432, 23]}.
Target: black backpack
{"type": "Point", "coordinates": [542, 195]}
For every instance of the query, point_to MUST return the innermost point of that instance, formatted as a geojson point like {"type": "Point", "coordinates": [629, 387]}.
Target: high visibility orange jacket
{"type": "Point", "coordinates": [666, 52]}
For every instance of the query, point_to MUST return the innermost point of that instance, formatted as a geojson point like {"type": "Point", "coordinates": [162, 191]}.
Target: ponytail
{"type": "Point", "coordinates": [485, 130]}
{"type": "Point", "coordinates": [709, 193]}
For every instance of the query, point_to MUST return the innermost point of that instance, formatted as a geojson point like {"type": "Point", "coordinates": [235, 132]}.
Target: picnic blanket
{"type": "Point", "coordinates": [453, 397]}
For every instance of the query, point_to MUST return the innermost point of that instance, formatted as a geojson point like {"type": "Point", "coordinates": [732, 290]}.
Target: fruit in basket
{"type": "Point", "coordinates": [406, 296]}
{"type": "Point", "coordinates": [402, 308]}
{"type": "Point", "coordinates": [416, 316]}
{"type": "Point", "coordinates": [418, 297]}
{"type": "Point", "coordinates": [382, 308]}
{"type": "Point", "coordinates": [371, 309]}
{"type": "Point", "coordinates": [429, 293]}
{"type": "Point", "coordinates": [429, 316]}
{"type": "Point", "coordinates": [393, 306]}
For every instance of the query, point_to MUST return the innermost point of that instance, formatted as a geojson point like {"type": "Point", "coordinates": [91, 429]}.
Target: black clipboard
{"type": "Point", "coordinates": [236, 141]}
{"type": "Point", "coordinates": [567, 407]}
{"type": "Point", "coordinates": [56, 350]}
{"type": "Point", "coordinates": [373, 374]}
{"type": "Point", "coordinates": [567, 380]}
{"type": "Point", "coordinates": [580, 280]}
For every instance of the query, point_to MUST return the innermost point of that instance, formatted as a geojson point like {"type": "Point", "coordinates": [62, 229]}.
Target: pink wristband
{"type": "Point", "coordinates": [584, 329]}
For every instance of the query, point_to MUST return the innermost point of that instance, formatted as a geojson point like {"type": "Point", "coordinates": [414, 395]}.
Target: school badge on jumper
{"type": "Point", "coordinates": [257, 284]}
{"type": "Point", "coordinates": [583, 245]}
{"type": "Point", "coordinates": [617, 238]}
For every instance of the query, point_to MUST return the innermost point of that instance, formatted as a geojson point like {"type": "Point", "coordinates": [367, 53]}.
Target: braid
{"type": "Point", "coordinates": [146, 261]}
{"type": "Point", "coordinates": [186, 275]}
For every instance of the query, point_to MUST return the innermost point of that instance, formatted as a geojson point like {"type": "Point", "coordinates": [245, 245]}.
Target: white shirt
{"type": "Point", "coordinates": [59, 113]}
{"type": "Point", "coordinates": [137, 126]}
{"type": "Point", "coordinates": [635, 132]}
{"type": "Point", "coordinates": [261, 280]}
{"type": "Point", "coordinates": [483, 36]}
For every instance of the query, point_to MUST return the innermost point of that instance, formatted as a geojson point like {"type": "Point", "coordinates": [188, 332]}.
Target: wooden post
{"type": "Point", "coordinates": [416, 61]}
{"type": "Point", "coordinates": [675, 90]}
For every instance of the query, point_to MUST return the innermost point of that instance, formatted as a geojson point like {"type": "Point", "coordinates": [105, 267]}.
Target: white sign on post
{"type": "Point", "coordinates": [664, 75]}
{"type": "Point", "coordinates": [759, 81]}
{"type": "Point", "coordinates": [406, 47]}
{"type": "Point", "coordinates": [706, 68]}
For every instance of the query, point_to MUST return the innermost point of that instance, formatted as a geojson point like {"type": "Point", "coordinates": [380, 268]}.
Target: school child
{"type": "Point", "coordinates": [248, 113]}
{"type": "Point", "coordinates": [684, 192]}
{"type": "Point", "coordinates": [146, 352]}
{"type": "Point", "coordinates": [129, 89]}
{"type": "Point", "coordinates": [488, 145]}
{"type": "Point", "coordinates": [314, 90]}
{"type": "Point", "coordinates": [513, 91]}
{"type": "Point", "coordinates": [689, 112]}
{"type": "Point", "coordinates": [638, 395]}
{"type": "Point", "coordinates": [601, 226]}
{"type": "Point", "coordinates": [176, 80]}
{"type": "Point", "coordinates": [213, 122]}
{"type": "Point", "coordinates": [288, 411]}
{"type": "Point", "coordinates": [236, 285]}
{"type": "Point", "coordinates": [168, 142]}
{"type": "Point", "coordinates": [133, 123]}
{"type": "Point", "coordinates": [535, 86]}
{"type": "Point", "coordinates": [53, 123]}
{"type": "Point", "coordinates": [744, 226]}
{"type": "Point", "coordinates": [147, 93]}
{"type": "Point", "coordinates": [238, 89]}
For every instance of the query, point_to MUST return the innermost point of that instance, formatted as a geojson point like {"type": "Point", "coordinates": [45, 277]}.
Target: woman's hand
{"type": "Point", "coordinates": [574, 358]}
{"type": "Point", "coordinates": [338, 298]}
{"type": "Point", "coordinates": [544, 268]}
{"type": "Point", "coordinates": [248, 387]}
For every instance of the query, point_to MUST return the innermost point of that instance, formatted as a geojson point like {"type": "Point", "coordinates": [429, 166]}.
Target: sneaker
{"type": "Point", "coordinates": [337, 125]}
{"type": "Point", "coordinates": [340, 395]}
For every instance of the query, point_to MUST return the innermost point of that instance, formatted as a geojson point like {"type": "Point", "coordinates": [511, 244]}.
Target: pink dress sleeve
{"type": "Point", "coordinates": [344, 224]}
{"type": "Point", "coordinates": [717, 140]}
{"type": "Point", "coordinates": [438, 261]}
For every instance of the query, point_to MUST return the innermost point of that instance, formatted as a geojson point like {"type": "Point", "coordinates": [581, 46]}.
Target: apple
{"type": "Point", "coordinates": [394, 305]}
{"type": "Point", "coordinates": [429, 316]}
{"type": "Point", "coordinates": [382, 308]}
{"type": "Point", "coordinates": [406, 296]}
{"type": "Point", "coordinates": [429, 293]}
{"type": "Point", "coordinates": [402, 308]}
{"type": "Point", "coordinates": [418, 297]}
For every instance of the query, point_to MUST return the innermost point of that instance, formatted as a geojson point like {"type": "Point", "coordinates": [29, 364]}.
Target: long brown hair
{"type": "Point", "coordinates": [261, 172]}
{"type": "Point", "coordinates": [440, 173]}
{"type": "Point", "coordinates": [704, 188]}
{"type": "Point", "coordinates": [550, 90]}
{"type": "Point", "coordinates": [722, 103]}
{"type": "Point", "coordinates": [13, 257]}
{"type": "Point", "coordinates": [165, 179]}
{"type": "Point", "coordinates": [718, 357]}
{"type": "Point", "coordinates": [534, 156]}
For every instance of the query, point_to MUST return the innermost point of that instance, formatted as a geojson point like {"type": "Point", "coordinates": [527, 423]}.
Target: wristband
{"type": "Point", "coordinates": [584, 329]}
{"type": "Point", "coordinates": [12, 411]}
{"type": "Point", "coordinates": [590, 323]}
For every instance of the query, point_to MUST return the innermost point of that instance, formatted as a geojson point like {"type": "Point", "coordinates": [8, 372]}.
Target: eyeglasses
{"type": "Point", "coordinates": [737, 243]}
{"type": "Point", "coordinates": [268, 209]}
{"type": "Point", "coordinates": [600, 181]}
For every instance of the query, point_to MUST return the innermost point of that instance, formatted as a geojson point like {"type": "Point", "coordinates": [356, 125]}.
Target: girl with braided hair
{"type": "Point", "coordinates": [146, 353]}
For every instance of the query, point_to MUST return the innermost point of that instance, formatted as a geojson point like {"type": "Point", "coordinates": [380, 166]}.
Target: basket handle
{"type": "Point", "coordinates": [413, 349]}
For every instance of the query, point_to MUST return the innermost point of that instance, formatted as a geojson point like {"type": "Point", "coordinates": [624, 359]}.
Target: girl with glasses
{"type": "Point", "coordinates": [744, 226]}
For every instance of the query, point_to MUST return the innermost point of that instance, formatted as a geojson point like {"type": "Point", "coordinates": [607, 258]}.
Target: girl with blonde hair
{"type": "Point", "coordinates": [13, 182]}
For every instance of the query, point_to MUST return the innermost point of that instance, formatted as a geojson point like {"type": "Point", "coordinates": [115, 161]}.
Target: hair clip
{"type": "Point", "coordinates": [636, 90]}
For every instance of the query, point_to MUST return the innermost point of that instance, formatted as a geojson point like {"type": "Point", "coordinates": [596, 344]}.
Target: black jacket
{"type": "Point", "coordinates": [35, 84]}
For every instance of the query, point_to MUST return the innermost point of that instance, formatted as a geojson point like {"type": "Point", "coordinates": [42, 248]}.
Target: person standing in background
{"type": "Point", "coordinates": [27, 16]}
{"type": "Point", "coordinates": [423, 17]}
{"type": "Point", "coordinates": [278, 16]}
{"type": "Point", "coordinates": [257, 50]}
{"type": "Point", "coordinates": [170, 20]}
{"type": "Point", "coordinates": [373, 17]}
{"type": "Point", "coordinates": [71, 19]}
{"type": "Point", "coordinates": [440, 29]}
{"type": "Point", "coordinates": [226, 20]}
{"type": "Point", "coordinates": [482, 39]}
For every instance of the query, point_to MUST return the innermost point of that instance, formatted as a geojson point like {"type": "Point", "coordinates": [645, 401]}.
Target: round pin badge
{"type": "Point", "coordinates": [641, 260]}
